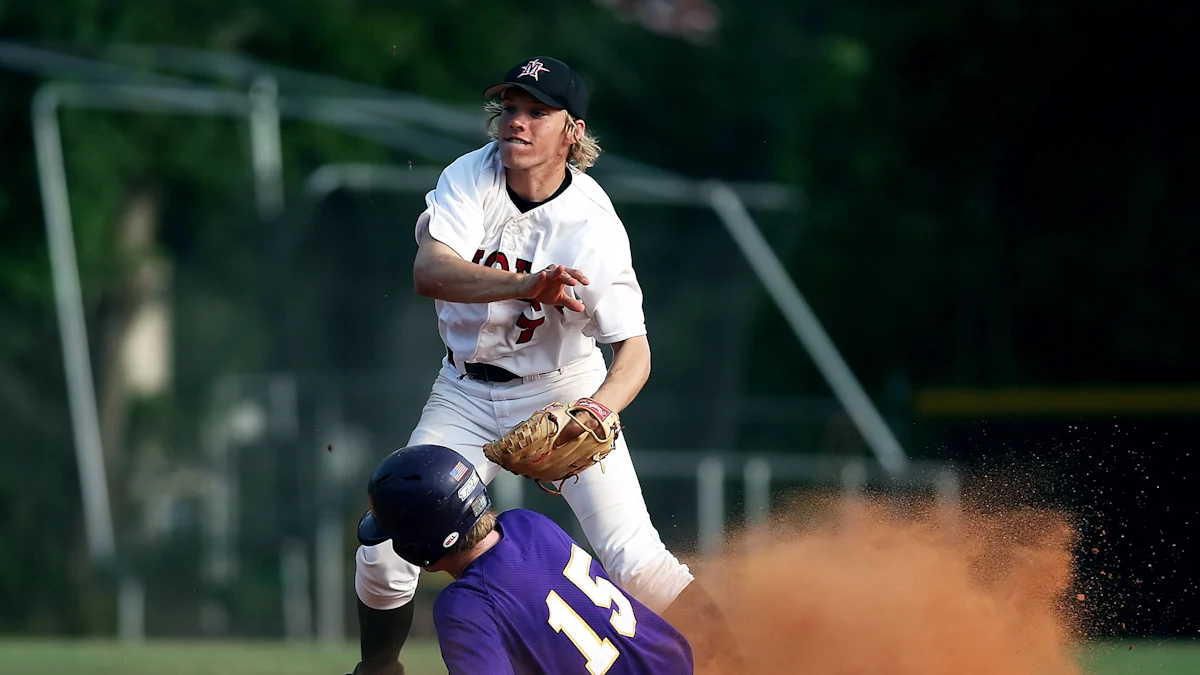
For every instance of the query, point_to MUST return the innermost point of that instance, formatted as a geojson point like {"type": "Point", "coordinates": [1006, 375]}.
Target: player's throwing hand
{"type": "Point", "coordinates": [549, 287]}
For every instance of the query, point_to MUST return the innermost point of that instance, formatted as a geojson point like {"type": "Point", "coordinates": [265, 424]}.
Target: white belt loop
{"type": "Point", "coordinates": [540, 376]}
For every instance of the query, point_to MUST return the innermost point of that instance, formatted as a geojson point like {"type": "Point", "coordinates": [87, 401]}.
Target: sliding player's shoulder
{"type": "Point", "coordinates": [524, 525]}
{"type": "Point", "coordinates": [523, 518]}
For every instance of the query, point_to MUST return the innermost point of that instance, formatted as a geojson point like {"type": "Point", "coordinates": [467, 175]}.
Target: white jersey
{"type": "Point", "coordinates": [470, 211]}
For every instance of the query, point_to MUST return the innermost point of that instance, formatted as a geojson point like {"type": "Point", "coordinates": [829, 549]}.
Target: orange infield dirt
{"type": "Point", "coordinates": [870, 587]}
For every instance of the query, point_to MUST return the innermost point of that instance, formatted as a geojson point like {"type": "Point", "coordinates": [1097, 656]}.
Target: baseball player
{"type": "Point", "coordinates": [530, 269]}
{"type": "Point", "coordinates": [525, 597]}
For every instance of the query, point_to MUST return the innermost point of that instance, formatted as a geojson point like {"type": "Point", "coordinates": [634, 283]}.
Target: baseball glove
{"type": "Point", "coordinates": [528, 449]}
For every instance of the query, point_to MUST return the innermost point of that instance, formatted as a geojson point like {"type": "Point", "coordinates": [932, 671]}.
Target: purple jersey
{"type": "Point", "coordinates": [537, 603]}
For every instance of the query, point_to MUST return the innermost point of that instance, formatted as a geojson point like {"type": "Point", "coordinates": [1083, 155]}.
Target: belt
{"type": "Point", "coordinates": [484, 372]}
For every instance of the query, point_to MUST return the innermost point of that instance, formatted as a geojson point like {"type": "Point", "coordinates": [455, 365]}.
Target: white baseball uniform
{"type": "Point", "coordinates": [555, 352]}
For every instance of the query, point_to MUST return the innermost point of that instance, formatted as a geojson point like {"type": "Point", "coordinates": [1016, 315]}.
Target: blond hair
{"type": "Point", "coordinates": [584, 151]}
{"type": "Point", "coordinates": [483, 528]}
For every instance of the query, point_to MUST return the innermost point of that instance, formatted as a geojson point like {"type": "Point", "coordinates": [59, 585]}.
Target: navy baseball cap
{"type": "Point", "coordinates": [424, 498]}
{"type": "Point", "coordinates": [548, 80]}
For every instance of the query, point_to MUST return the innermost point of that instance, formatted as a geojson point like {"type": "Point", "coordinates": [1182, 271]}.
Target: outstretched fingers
{"type": "Point", "coordinates": [576, 275]}
{"type": "Point", "coordinates": [563, 276]}
{"type": "Point", "coordinates": [568, 276]}
{"type": "Point", "coordinates": [570, 303]}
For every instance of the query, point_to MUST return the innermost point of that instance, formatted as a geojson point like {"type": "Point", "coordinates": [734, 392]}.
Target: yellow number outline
{"type": "Point", "coordinates": [600, 653]}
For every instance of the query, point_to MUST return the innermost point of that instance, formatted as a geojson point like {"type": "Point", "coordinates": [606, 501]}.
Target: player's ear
{"type": "Point", "coordinates": [575, 129]}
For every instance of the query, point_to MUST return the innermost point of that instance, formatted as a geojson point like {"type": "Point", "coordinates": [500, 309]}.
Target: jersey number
{"type": "Point", "coordinates": [600, 653]}
{"type": "Point", "coordinates": [527, 325]}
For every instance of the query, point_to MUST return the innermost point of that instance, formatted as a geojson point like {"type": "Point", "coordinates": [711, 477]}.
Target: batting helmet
{"type": "Point", "coordinates": [424, 498]}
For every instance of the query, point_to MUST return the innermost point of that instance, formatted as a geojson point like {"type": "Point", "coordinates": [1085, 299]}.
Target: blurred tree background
{"type": "Point", "coordinates": [998, 194]}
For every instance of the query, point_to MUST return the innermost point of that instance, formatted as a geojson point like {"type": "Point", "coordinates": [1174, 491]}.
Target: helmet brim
{"type": "Point", "coordinates": [369, 532]}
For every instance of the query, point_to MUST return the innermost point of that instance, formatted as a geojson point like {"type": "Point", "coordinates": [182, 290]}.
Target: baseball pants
{"type": "Point", "coordinates": [464, 414]}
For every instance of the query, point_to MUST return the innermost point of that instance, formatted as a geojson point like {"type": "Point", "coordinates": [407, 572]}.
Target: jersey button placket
{"type": "Point", "coordinates": [508, 237]}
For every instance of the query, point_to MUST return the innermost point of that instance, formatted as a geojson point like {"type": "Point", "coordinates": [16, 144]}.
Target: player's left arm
{"type": "Point", "coordinates": [617, 319]}
{"type": "Point", "coordinates": [627, 375]}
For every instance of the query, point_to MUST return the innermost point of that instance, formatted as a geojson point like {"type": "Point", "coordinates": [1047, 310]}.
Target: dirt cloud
{"type": "Point", "coordinates": [871, 587]}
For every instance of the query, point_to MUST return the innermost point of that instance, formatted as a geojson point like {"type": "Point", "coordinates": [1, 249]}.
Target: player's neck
{"type": "Point", "coordinates": [537, 184]}
{"type": "Point", "coordinates": [459, 566]}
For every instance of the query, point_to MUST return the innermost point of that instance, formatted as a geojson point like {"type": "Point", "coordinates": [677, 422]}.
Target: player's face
{"type": "Point", "coordinates": [531, 133]}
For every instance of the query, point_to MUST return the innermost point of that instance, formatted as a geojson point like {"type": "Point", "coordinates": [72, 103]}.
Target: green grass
{"type": "Point", "coordinates": [1161, 657]}
{"type": "Point", "coordinates": [54, 657]}
{"type": "Point", "coordinates": [36, 657]}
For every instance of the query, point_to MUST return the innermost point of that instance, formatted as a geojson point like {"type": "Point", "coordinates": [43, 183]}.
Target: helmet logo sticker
{"type": "Point", "coordinates": [468, 487]}
{"type": "Point", "coordinates": [480, 503]}
{"type": "Point", "coordinates": [449, 540]}
{"type": "Point", "coordinates": [457, 473]}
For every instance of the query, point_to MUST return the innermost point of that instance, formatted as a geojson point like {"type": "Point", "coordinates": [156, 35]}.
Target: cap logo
{"type": "Point", "coordinates": [449, 540]}
{"type": "Point", "coordinates": [533, 69]}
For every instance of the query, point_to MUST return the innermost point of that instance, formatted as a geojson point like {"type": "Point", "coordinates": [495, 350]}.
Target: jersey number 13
{"type": "Point", "coordinates": [600, 653]}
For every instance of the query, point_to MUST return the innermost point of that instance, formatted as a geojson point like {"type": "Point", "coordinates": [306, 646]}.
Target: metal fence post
{"type": "Point", "coordinates": [68, 296]}
{"type": "Point", "coordinates": [266, 146]}
{"type": "Point", "coordinates": [948, 498]}
{"type": "Point", "coordinates": [756, 474]}
{"type": "Point", "coordinates": [854, 479]}
{"type": "Point", "coordinates": [710, 484]}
